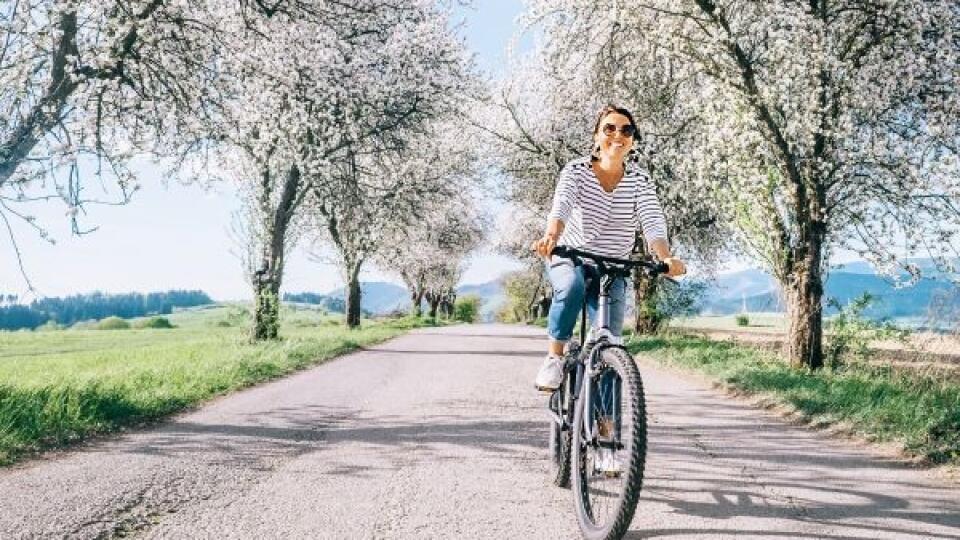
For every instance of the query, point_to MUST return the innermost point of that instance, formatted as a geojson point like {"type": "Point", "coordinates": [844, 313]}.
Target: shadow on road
{"type": "Point", "coordinates": [531, 354]}
{"type": "Point", "coordinates": [290, 432]}
{"type": "Point", "coordinates": [719, 462]}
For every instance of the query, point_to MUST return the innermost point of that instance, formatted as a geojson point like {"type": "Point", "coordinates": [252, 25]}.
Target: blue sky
{"type": "Point", "coordinates": [174, 236]}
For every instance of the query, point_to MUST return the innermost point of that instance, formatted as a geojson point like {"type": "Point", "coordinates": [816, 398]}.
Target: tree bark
{"type": "Point", "coordinates": [433, 299]}
{"type": "Point", "coordinates": [648, 319]}
{"type": "Point", "coordinates": [266, 307]}
{"type": "Point", "coordinates": [353, 294]}
{"type": "Point", "coordinates": [49, 109]}
{"type": "Point", "coordinates": [804, 292]}
{"type": "Point", "coordinates": [268, 277]}
{"type": "Point", "coordinates": [449, 300]}
{"type": "Point", "coordinates": [416, 298]}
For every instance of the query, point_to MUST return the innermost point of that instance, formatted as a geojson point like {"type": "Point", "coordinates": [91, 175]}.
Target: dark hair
{"type": "Point", "coordinates": [610, 109]}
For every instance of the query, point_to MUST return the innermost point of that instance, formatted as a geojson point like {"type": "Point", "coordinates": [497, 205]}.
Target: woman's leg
{"type": "Point", "coordinates": [568, 290]}
{"type": "Point", "coordinates": [618, 305]}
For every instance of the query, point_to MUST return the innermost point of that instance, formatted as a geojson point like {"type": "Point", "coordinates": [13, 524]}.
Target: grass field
{"type": "Point", "coordinates": [921, 412]}
{"type": "Point", "coordinates": [59, 386]}
{"type": "Point", "coordinates": [773, 323]}
{"type": "Point", "coordinates": [764, 326]}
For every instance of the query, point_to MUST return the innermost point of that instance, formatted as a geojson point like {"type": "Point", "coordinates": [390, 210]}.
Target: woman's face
{"type": "Point", "coordinates": [610, 137]}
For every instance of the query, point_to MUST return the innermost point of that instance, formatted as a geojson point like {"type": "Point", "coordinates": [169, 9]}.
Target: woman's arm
{"type": "Point", "coordinates": [563, 199]}
{"type": "Point", "coordinates": [654, 224]}
{"type": "Point", "coordinates": [548, 241]}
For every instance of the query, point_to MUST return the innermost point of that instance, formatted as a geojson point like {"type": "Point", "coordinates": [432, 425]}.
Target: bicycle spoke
{"type": "Point", "coordinates": [605, 455]}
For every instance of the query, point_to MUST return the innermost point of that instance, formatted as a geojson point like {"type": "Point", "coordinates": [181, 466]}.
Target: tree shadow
{"type": "Point", "coordinates": [532, 354]}
{"type": "Point", "coordinates": [718, 460]}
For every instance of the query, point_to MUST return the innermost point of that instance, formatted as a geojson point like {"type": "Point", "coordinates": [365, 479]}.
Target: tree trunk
{"type": "Point", "coordinates": [434, 300]}
{"type": "Point", "coordinates": [416, 298]}
{"type": "Point", "coordinates": [804, 292]}
{"type": "Point", "coordinates": [353, 294]}
{"type": "Point", "coordinates": [544, 306]}
{"type": "Point", "coordinates": [266, 307]}
{"type": "Point", "coordinates": [449, 300]}
{"type": "Point", "coordinates": [648, 318]}
{"type": "Point", "coordinates": [267, 278]}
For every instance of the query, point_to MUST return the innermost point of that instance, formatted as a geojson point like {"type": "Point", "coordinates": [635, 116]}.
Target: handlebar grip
{"type": "Point", "coordinates": [662, 268]}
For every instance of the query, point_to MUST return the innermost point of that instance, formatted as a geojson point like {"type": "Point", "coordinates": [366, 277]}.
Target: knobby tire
{"type": "Point", "coordinates": [633, 462]}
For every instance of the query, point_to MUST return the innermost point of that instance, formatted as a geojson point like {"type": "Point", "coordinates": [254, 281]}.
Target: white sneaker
{"type": "Point", "coordinates": [608, 462]}
{"type": "Point", "coordinates": [550, 375]}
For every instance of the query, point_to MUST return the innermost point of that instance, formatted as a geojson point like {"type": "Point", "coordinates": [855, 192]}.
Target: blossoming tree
{"type": "Point", "coordinates": [367, 202]}
{"type": "Point", "coordinates": [541, 116]}
{"type": "Point", "coordinates": [824, 125]}
{"type": "Point", "coordinates": [84, 86]}
{"type": "Point", "coordinates": [308, 88]}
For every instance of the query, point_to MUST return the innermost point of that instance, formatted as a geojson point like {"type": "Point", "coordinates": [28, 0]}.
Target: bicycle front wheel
{"type": "Point", "coordinates": [609, 447]}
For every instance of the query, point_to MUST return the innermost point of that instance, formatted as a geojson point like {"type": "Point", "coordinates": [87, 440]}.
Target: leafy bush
{"type": "Point", "coordinates": [49, 326]}
{"type": "Point", "coordinates": [659, 301]}
{"type": "Point", "coordinates": [154, 322]}
{"type": "Point", "coordinates": [743, 320]}
{"type": "Point", "coordinates": [466, 308]}
{"type": "Point", "coordinates": [850, 333]}
{"type": "Point", "coordinates": [234, 317]}
{"type": "Point", "coordinates": [112, 323]}
{"type": "Point", "coordinates": [523, 289]}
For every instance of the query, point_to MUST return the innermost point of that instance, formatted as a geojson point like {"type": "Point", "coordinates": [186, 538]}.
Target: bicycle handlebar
{"type": "Point", "coordinates": [655, 268]}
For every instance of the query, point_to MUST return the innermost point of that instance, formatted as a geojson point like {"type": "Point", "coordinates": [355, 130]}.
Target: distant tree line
{"type": "Point", "coordinates": [96, 305]}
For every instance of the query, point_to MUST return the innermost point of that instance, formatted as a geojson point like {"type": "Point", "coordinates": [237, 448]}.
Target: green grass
{"type": "Point", "coordinates": [919, 411]}
{"type": "Point", "coordinates": [62, 385]}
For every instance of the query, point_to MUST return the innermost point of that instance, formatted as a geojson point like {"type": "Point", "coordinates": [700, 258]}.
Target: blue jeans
{"type": "Point", "coordinates": [568, 295]}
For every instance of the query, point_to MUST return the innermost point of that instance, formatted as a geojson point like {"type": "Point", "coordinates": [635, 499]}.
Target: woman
{"type": "Point", "coordinates": [599, 204]}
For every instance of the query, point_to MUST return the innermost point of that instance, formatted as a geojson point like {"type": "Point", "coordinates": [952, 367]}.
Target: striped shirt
{"type": "Point", "coordinates": [605, 223]}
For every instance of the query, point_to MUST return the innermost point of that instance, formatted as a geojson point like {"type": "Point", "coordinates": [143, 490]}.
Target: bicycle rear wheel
{"type": "Point", "coordinates": [560, 439]}
{"type": "Point", "coordinates": [609, 461]}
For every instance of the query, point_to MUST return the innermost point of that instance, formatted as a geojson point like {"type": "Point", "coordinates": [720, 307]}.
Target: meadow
{"type": "Point", "coordinates": [59, 386]}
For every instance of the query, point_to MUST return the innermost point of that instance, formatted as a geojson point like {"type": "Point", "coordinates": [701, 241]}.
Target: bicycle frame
{"type": "Point", "coordinates": [584, 368]}
{"type": "Point", "coordinates": [601, 341]}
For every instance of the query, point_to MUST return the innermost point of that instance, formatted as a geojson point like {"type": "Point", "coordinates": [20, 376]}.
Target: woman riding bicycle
{"type": "Point", "coordinates": [599, 204]}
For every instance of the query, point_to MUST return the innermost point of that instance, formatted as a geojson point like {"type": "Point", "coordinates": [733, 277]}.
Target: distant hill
{"type": "Point", "coordinates": [380, 297]}
{"type": "Point", "coordinates": [376, 297]}
{"type": "Point", "coordinates": [754, 288]}
{"type": "Point", "coordinates": [760, 292]}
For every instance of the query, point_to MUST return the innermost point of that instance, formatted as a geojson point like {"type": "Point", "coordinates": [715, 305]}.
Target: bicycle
{"type": "Point", "coordinates": [598, 414]}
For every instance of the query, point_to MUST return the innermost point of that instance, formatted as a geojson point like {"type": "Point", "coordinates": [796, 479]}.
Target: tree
{"type": "Point", "coordinates": [521, 294]}
{"type": "Point", "coordinates": [368, 200]}
{"type": "Point", "coordinates": [826, 125]}
{"type": "Point", "coordinates": [84, 86]}
{"type": "Point", "coordinates": [305, 87]}
{"type": "Point", "coordinates": [430, 256]}
{"type": "Point", "coordinates": [542, 115]}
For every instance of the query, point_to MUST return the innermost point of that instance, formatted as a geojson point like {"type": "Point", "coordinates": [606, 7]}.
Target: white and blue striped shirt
{"type": "Point", "coordinates": [605, 223]}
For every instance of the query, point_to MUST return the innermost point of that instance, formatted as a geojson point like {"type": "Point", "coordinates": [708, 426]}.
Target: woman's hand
{"type": "Point", "coordinates": [677, 267]}
{"type": "Point", "coordinates": [544, 246]}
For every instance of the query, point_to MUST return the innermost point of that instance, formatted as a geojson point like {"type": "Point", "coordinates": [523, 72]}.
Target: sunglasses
{"type": "Point", "coordinates": [627, 130]}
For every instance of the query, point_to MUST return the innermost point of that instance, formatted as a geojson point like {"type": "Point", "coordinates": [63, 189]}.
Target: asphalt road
{"type": "Point", "coordinates": [439, 434]}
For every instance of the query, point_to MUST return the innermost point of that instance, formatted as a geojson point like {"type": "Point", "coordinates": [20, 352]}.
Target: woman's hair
{"type": "Point", "coordinates": [603, 113]}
